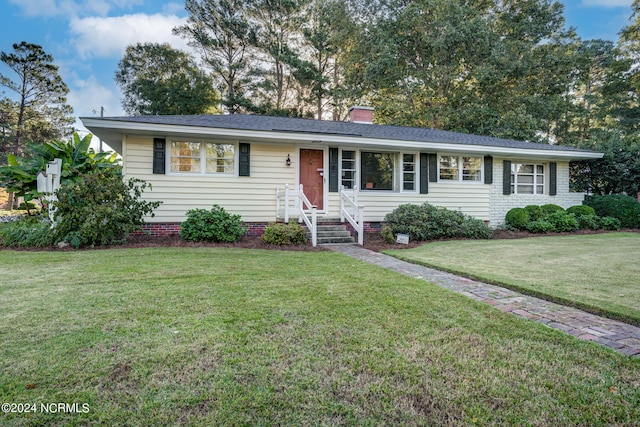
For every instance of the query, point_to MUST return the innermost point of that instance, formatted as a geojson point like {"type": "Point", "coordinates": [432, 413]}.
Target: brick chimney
{"type": "Point", "coordinates": [361, 114]}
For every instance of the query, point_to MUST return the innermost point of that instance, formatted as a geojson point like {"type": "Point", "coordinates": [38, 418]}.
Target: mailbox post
{"type": "Point", "coordinates": [48, 183]}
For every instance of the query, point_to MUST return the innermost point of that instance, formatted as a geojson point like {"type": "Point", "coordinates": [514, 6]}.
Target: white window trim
{"type": "Point", "coordinates": [398, 172]}
{"type": "Point", "coordinates": [514, 166]}
{"type": "Point", "coordinates": [203, 161]}
{"type": "Point", "coordinates": [460, 169]}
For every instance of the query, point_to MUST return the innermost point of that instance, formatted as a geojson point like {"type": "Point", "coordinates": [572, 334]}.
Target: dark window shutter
{"type": "Point", "coordinates": [159, 154]}
{"type": "Point", "coordinates": [424, 173]}
{"type": "Point", "coordinates": [488, 170]}
{"type": "Point", "coordinates": [433, 168]}
{"type": "Point", "coordinates": [506, 177]}
{"type": "Point", "coordinates": [244, 159]}
{"type": "Point", "coordinates": [333, 170]}
{"type": "Point", "coordinates": [553, 179]}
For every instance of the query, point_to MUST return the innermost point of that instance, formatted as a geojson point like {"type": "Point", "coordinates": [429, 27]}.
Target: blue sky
{"type": "Point", "coordinates": [87, 38]}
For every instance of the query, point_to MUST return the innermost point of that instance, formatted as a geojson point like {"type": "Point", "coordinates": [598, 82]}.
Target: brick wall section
{"type": "Point", "coordinates": [168, 229]}
{"type": "Point", "coordinates": [501, 204]}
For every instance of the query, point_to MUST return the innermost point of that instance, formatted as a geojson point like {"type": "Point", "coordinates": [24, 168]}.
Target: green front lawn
{"type": "Point", "coordinates": [211, 336]}
{"type": "Point", "coordinates": [599, 272]}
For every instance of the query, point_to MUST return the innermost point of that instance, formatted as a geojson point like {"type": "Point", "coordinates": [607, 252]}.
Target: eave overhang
{"type": "Point", "coordinates": [113, 131]}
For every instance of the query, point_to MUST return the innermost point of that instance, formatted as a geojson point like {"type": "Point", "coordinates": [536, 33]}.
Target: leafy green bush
{"type": "Point", "coordinates": [100, 209]}
{"type": "Point", "coordinates": [284, 234]}
{"type": "Point", "coordinates": [387, 234]}
{"type": "Point", "coordinates": [215, 225]}
{"type": "Point", "coordinates": [581, 210]}
{"type": "Point", "coordinates": [562, 221]}
{"type": "Point", "coordinates": [610, 223]}
{"type": "Point", "coordinates": [625, 208]}
{"type": "Point", "coordinates": [428, 222]}
{"type": "Point", "coordinates": [534, 211]}
{"type": "Point", "coordinates": [589, 222]}
{"type": "Point", "coordinates": [541, 226]}
{"type": "Point", "coordinates": [551, 208]}
{"type": "Point", "coordinates": [517, 218]}
{"type": "Point", "coordinates": [29, 231]}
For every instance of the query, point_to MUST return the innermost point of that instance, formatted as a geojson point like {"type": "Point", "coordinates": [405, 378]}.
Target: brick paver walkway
{"type": "Point", "coordinates": [617, 335]}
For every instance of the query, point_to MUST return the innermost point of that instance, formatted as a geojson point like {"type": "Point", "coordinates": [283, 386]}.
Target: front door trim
{"type": "Point", "coordinates": [324, 194]}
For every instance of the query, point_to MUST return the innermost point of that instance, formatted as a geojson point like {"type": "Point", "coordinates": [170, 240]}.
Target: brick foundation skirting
{"type": "Point", "coordinates": [253, 228]}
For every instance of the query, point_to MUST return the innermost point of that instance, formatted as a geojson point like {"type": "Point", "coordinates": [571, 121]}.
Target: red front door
{"type": "Point", "coordinates": [311, 176]}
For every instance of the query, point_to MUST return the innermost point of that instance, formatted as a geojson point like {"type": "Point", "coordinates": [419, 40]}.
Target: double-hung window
{"type": "Point", "coordinates": [202, 158]}
{"type": "Point", "coordinates": [460, 168]}
{"type": "Point", "coordinates": [408, 172]}
{"type": "Point", "coordinates": [527, 178]}
{"type": "Point", "coordinates": [348, 169]}
{"type": "Point", "coordinates": [377, 170]}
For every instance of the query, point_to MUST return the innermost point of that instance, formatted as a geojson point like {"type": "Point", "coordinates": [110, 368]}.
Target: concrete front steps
{"type": "Point", "coordinates": [332, 233]}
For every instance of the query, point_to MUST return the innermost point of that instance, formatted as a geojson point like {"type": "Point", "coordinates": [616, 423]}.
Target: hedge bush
{"type": "Point", "coordinates": [610, 223]}
{"type": "Point", "coordinates": [540, 226]}
{"type": "Point", "coordinates": [428, 222]}
{"type": "Point", "coordinates": [581, 210]}
{"type": "Point", "coordinates": [284, 234]}
{"type": "Point", "coordinates": [215, 225]}
{"type": "Point", "coordinates": [624, 208]}
{"type": "Point", "coordinates": [534, 211]}
{"type": "Point", "coordinates": [550, 208]}
{"type": "Point", "coordinates": [589, 222]}
{"type": "Point", "coordinates": [517, 218]}
{"type": "Point", "coordinates": [562, 221]}
{"type": "Point", "coordinates": [101, 208]}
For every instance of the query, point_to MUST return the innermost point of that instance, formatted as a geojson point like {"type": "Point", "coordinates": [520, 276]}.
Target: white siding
{"type": "Point", "coordinates": [501, 204]}
{"type": "Point", "coordinates": [471, 199]}
{"type": "Point", "coordinates": [252, 197]}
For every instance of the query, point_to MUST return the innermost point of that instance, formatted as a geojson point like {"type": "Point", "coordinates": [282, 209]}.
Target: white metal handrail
{"type": "Point", "coordinates": [299, 199]}
{"type": "Point", "coordinates": [352, 211]}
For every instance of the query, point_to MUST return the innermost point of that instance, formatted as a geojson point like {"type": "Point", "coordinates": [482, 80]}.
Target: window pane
{"type": "Point", "coordinates": [448, 168]}
{"type": "Point", "coordinates": [377, 170]}
{"type": "Point", "coordinates": [185, 157]}
{"type": "Point", "coordinates": [471, 175]}
{"type": "Point", "coordinates": [181, 164]}
{"type": "Point", "coordinates": [525, 169]}
{"type": "Point", "coordinates": [220, 158]}
{"type": "Point", "coordinates": [525, 189]}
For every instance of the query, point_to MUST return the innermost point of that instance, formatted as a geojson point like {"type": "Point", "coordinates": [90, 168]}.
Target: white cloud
{"type": "Point", "coordinates": [72, 7]}
{"type": "Point", "coordinates": [87, 97]}
{"type": "Point", "coordinates": [108, 37]}
{"type": "Point", "coordinates": [607, 3]}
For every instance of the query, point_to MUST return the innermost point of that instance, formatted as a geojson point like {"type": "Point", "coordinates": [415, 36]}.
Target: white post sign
{"type": "Point", "coordinates": [48, 183]}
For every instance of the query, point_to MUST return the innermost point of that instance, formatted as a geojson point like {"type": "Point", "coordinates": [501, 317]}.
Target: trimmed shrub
{"type": "Point", "coordinates": [215, 225]}
{"type": "Point", "coordinates": [541, 226]}
{"type": "Point", "coordinates": [589, 222]}
{"type": "Point", "coordinates": [534, 211]}
{"type": "Point", "coordinates": [100, 209]}
{"type": "Point", "coordinates": [625, 208]}
{"type": "Point", "coordinates": [581, 210]}
{"type": "Point", "coordinates": [387, 234]}
{"type": "Point", "coordinates": [284, 234]}
{"type": "Point", "coordinates": [551, 208]}
{"type": "Point", "coordinates": [27, 232]}
{"type": "Point", "coordinates": [517, 218]}
{"type": "Point", "coordinates": [428, 222]}
{"type": "Point", "coordinates": [562, 221]}
{"type": "Point", "coordinates": [610, 223]}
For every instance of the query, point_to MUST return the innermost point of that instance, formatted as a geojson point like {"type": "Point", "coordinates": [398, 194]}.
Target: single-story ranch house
{"type": "Point", "coordinates": [244, 163]}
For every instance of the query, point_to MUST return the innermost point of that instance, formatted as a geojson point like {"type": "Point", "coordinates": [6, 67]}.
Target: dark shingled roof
{"type": "Point", "coordinates": [322, 127]}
